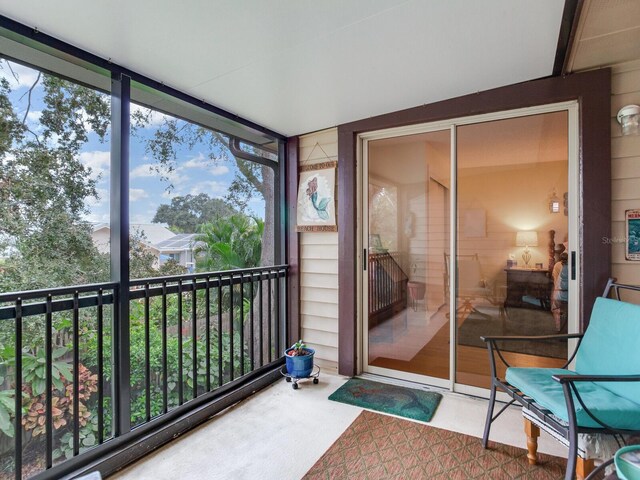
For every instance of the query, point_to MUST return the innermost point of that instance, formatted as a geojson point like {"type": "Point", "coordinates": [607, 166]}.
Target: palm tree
{"type": "Point", "coordinates": [230, 243]}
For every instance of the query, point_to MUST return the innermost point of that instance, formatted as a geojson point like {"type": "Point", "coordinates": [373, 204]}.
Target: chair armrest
{"type": "Point", "coordinates": [570, 391]}
{"type": "Point", "coordinates": [596, 378]}
{"type": "Point", "coordinates": [492, 347]}
{"type": "Point", "coordinates": [564, 336]}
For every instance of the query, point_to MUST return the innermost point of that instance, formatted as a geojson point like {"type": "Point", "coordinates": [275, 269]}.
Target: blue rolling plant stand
{"type": "Point", "coordinates": [315, 374]}
{"type": "Point", "coordinates": [298, 367]}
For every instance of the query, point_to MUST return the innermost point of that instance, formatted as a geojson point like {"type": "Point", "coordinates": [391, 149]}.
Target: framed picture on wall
{"type": "Point", "coordinates": [316, 198]}
{"type": "Point", "coordinates": [632, 221]}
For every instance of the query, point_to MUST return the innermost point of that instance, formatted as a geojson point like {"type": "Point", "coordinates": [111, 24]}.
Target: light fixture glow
{"type": "Point", "coordinates": [554, 203]}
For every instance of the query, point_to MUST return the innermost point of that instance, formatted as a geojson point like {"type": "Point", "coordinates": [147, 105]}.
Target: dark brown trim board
{"type": "Point", "coordinates": [592, 90]}
{"type": "Point", "coordinates": [293, 247]}
{"type": "Point", "coordinates": [568, 26]}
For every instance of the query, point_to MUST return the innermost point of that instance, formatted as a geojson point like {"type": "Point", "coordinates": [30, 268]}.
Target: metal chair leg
{"type": "Point", "coordinates": [573, 456]}
{"type": "Point", "coordinates": [487, 425]}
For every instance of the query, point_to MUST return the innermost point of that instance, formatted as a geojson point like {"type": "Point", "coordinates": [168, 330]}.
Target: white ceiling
{"type": "Point", "coordinates": [297, 66]}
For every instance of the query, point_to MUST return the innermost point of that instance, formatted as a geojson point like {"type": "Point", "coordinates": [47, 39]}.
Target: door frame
{"type": "Point", "coordinates": [572, 109]}
{"type": "Point", "coordinates": [592, 90]}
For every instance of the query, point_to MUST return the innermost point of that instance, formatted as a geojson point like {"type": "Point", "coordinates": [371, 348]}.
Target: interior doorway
{"type": "Point", "coordinates": [495, 190]}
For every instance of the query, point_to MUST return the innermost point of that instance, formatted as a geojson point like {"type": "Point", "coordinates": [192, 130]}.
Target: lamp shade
{"type": "Point", "coordinates": [526, 239]}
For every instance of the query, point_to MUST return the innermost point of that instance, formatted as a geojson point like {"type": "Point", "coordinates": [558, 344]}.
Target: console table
{"type": "Point", "coordinates": [532, 282]}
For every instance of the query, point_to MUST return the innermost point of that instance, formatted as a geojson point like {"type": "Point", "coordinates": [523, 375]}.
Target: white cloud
{"type": "Point", "coordinates": [100, 199]}
{"type": "Point", "coordinates": [82, 113]}
{"type": "Point", "coordinates": [211, 188]}
{"type": "Point", "coordinates": [199, 161]}
{"type": "Point", "coordinates": [219, 170]}
{"type": "Point", "coordinates": [26, 76]}
{"type": "Point", "coordinates": [97, 217]}
{"type": "Point", "coordinates": [170, 195]}
{"type": "Point", "coordinates": [34, 116]}
{"type": "Point", "coordinates": [98, 161]}
{"type": "Point", "coordinates": [155, 118]}
{"type": "Point", "coordinates": [144, 170]}
{"type": "Point", "coordinates": [205, 163]}
{"type": "Point", "coordinates": [150, 170]}
{"type": "Point", "coordinates": [136, 194]}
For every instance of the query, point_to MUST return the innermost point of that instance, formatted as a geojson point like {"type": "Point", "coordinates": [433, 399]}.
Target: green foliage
{"type": "Point", "coordinates": [230, 243]}
{"type": "Point", "coordinates": [7, 412]}
{"type": "Point", "coordinates": [186, 214]}
{"type": "Point", "coordinates": [45, 185]}
{"type": "Point", "coordinates": [298, 348]}
{"type": "Point", "coordinates": [34, 366]}
{"type": "Point", "coordinates": [87, 434]}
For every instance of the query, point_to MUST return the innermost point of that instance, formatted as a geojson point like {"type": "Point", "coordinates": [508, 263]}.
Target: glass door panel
{"type": "Point", "coordinates": [408, 238]}
{"type": "Point", "coordinates": [512, 275]}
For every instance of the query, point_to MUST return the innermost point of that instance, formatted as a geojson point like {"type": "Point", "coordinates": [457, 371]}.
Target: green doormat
{"type": "Point", "coordinates": [401, 401]}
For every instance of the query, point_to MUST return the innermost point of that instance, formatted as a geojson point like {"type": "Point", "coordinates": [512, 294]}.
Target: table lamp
{"type": "Point", "coordinates": [526, 239]}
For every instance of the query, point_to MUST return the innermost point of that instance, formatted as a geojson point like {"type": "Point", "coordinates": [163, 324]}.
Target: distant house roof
{"type": "Point", "coordinates": [157, 237]}
{"type": "Point", "coordinates": [154, 233]}
{"type": "Point", "coordinates": [177, 243]}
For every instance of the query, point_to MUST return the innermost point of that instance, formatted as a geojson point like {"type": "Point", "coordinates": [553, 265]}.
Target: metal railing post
{"type": "Point", "coordinates": [120, 124]}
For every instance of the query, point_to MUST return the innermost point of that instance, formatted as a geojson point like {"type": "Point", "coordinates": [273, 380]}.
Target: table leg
{"type": "Point", "coordinates": [533, 432]}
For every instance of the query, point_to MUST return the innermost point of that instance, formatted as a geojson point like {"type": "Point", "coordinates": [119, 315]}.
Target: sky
{"type": "Point", "coordinates": [195, 172]}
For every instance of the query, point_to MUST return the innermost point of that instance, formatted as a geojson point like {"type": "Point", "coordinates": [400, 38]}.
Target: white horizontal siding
{"type": "Point", "coordinates": [319, 265]}
{"type": "Point", "coordinates": [625, 169]}
{"type": "Point", "coordinates": [320, 309]}
{"type": "Point", "coordinates": [311, 280]}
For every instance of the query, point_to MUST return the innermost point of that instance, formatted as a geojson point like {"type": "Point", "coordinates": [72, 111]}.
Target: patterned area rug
{"type": "Point", "coordinates": [383, 447]}
{"type": "Point", "coordinates": [401, 401]}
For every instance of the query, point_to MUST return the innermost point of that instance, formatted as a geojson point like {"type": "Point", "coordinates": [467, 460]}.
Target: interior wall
{"type": "Point", "coordinates": [513, 198]}
{"type": "Point", "coordinates": [420, 171]}
{"type": "Point", "coordinates": [625, 169]}
{"type": "Point", "coordinates": [319, 265]}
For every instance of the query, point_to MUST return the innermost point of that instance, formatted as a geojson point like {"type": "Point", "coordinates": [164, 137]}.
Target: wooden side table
{"type": "Point", "coordinates": [533, 282]}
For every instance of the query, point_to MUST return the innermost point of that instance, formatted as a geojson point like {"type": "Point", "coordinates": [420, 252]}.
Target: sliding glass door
{"type": "Point", "coordinates": [512, 232]}
{"type": "Point", "coordinates": [496, 190]}
{"type": "Point", "coordinates": [408, 239]}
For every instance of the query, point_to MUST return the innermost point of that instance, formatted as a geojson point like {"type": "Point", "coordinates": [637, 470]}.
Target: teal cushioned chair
{"type": "Point", "coordinates": [602, 395]}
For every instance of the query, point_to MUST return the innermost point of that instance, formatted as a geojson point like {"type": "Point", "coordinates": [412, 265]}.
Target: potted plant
{"type": "Point", "coordinates": [299, 360]}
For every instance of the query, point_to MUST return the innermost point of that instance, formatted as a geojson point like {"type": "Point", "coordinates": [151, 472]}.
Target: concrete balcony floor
{"type": "Point", "coordinates": [279, 433]}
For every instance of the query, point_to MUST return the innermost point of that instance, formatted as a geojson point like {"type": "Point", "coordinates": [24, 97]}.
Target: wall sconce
{"type": "Point", "coordinates": [629, 119]}
{"type": "Point", "coordinates": [554, 203]}
{"type": "Point", "coordinates": [526, 239]}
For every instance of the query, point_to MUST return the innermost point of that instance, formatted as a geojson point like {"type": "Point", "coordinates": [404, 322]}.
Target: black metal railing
{"type": "Point", "coordinates": [43, 375]}
{"type": "Point", "coordinates": [189, 336]}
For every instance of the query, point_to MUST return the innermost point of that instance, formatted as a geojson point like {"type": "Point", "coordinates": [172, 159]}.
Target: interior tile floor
{"type": "Point", "coordinates": [279, 433]}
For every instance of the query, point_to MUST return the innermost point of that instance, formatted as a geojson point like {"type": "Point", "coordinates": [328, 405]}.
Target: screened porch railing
{"type": "Point", "coordinates": [189, 335]}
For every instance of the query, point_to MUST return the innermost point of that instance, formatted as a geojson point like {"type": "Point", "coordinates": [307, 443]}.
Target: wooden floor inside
{"type": "Point", "coordinates": [433, 358]}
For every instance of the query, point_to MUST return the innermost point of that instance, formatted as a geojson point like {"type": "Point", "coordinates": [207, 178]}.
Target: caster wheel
{"type": "Point", "coordinates": [288, 379]}
{"type": "Point", "coordinates": [295, 386]}
{"type": "Point", "coordinates": [315, 380]}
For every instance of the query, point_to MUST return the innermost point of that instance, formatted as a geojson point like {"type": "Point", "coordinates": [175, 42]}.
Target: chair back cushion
{"type": "Point", "coordinates": [611, 345]}
{"type": "Point", "coordinates": [469, 274]}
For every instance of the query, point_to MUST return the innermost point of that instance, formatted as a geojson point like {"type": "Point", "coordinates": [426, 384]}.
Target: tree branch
{"type": "Point", "coordinates": [15, 75]}
{"type": "Point", "coordinates": [24, 119]}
